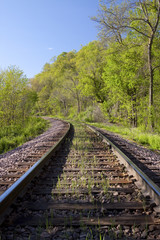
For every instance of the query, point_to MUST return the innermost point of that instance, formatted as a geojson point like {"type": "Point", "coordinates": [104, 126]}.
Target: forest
{"type": "Point", "coordinates": [114, 79]}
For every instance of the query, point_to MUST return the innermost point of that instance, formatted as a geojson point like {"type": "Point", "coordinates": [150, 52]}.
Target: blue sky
{"type": "Point", "coordinates": [34, 31]}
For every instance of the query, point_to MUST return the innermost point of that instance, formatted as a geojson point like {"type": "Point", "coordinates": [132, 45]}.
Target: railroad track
{"type": "Point", "coordinates": [16, 179]}
{"type": "Point", "coordinates": [83, 193]}
{"type": "Point", "coordinates": [147, 173]}
{"type": "Point", "coordinates": [27, 158]}
{"type": "Point", "coordinates": [148, 163]}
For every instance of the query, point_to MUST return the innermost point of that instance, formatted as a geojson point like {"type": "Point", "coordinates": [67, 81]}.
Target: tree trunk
{"type": "Point", "coordinates": [151, 120]}
{"type": "Point", "coordinates": [78, 102]}
{"type": "Point", "coordinates": [134, 112]}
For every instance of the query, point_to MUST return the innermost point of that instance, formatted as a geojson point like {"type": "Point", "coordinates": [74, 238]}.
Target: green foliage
{"type": "Point", "coordinates": [110, 78]}
{"type": "Point", "coordinates": [125, 84]}
{"type": "Point", "coordinates": [150, 140]}
{"type": "Point", "coordinates": [113, 79]}
{"type": "Point", "coordinates": [71, 82]}
{"type": "Point", "coordinates": [90, 62]}
{"type": "Point", "coordinates": [15, 135]}
{"type": "Point", "coordinates": [86, 116]}
{"type": "Point", "coordinates": [140, 21]}
{"type": "Point", "coordinates": [16, 102]}
{"type": "Point", "coordinates": [16, 98]}
{"type": "Point", "coordinates": [57, 86]}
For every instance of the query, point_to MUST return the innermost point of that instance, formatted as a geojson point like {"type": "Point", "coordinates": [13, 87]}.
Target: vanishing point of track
{"type": "Point", "coordinates": [83, 192]}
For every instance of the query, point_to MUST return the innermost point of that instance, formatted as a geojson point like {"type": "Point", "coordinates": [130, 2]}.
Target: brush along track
{"type": "Point", "coordinates": [84, 193]}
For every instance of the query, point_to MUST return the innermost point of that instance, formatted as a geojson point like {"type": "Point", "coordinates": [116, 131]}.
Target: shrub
{"type": "Point", "coordinates": [16, 135]}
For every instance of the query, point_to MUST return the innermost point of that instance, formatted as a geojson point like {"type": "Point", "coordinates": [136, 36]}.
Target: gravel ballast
{"type": "Point", "coordinates": [19, 154]}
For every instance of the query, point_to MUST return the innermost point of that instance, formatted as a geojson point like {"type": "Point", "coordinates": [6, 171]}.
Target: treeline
{"type": "Point", "coordinates": [16, 97]}
{"type": "Point", "coordinates": [73, 83]}
{"type": "Point", "coordinates": [113, 79]}
{"type": "Point", "coordinates": [17, 101]}
{"type": "Point", "coordinates": [117, 77]}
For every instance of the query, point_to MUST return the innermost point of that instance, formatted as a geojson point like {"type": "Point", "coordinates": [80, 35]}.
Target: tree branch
{"type": "Point", "coordinates": [144, 9]}
{"type": "Point", "coordinates": [158, 17]}
{"type": "Point", "coordinates": [156, 67]}
{"type": "Point", "coordinates": [137, 31]}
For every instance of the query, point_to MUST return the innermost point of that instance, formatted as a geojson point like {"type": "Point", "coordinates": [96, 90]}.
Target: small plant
{"type": "Point", "coordinates": [90, 185]}
{"type": "Point", "coordinates": [82, 225]}
{"type": "Point", "coordinates": [51, 211]}
{"type": "Point", "coordinates": [105, 186]}
{"type": "Point", "coordinates": [70, 220]}
{"type": "Point", "coordinates": [101, 237]}
{"type": "Point", "coordinates": [64, 177]}
{"type": "Point", "coordinates": [47, 223]}
{"type": "Point", "coordinates": [59, 183]}
{"type": "Point", "coordinates": [99, 225]}
{"type": "Point", "coordinates": [52, 195]}
{"type": "Point", "coordinates": [134, 227]}
{"type": "Point", "coordinates": [39, 231]}
{"type": "Point", "coordinates": [90, 234]}
{"type": "Point", "coordinates": [94, 161]}
{"type": "Point", "coordinates": [146, 228]}
{"type": "Point", "coordinates": [83, 181]}
{"type": "Point", "coordinates": [144, 205]}
{"type": "Point", "coordinates": [120, 232]}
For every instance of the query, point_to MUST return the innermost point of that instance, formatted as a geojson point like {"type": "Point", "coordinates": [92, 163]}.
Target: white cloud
{"type": "Point", "coordinates": [50, 49]}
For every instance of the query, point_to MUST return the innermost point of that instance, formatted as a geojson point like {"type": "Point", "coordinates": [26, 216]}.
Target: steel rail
{"type": "Point", "coordinates": [7, 198]}
{"type": "Point", "coordinates": [144, 183]}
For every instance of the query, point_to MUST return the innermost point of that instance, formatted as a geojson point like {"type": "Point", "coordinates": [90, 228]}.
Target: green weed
{"type": "Point", "coordinates": [15, 135]}
{"type": "Point", "coordinates": [150, 140]}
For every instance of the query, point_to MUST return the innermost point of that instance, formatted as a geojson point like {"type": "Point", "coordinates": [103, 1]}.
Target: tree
{"type": "Point", "coordinates": [124, 83]}
{"type": "Point", "coordinates": [66, 75]}
{"type": "Point", "coordinates": [14, 96]}
{"type": "Point", "coordinates": [139, 16]}
{"type": "Point", "coordinates": [90, 63]}
{"type": "Point", "coordinates": [42, 84]}
{"type": "Point", "coordinates": [57, 85]}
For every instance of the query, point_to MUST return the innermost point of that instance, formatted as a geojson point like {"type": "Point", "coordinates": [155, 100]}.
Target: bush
{"type": "Point", "coordinates": [144, 138]}
{"type": "Point", "coordinates": [16, 135]}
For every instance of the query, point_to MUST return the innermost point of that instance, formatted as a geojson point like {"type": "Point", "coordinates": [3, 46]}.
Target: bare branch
{"type": "Point", "coordinates": [144, 9]}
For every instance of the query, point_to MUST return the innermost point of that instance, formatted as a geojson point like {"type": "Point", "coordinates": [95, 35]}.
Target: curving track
{"type": "Point", "coordinates": [83, 193]}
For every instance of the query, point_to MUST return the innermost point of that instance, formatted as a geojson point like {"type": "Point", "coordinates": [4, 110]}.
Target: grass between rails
{"type": "Point", "coordinates": [147, 139]}
{"type": "Point", "coordinates": [15, 135]}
